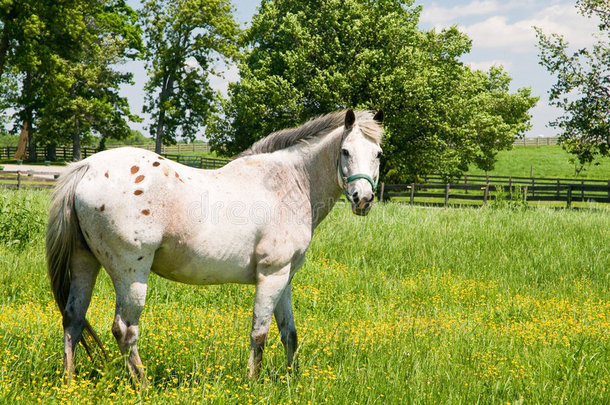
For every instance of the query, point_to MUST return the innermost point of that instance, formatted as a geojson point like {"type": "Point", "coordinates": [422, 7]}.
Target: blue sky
{"type": "Point", "coordinates": [502, 34]}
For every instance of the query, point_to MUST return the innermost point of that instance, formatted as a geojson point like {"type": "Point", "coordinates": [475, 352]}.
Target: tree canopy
{"type": "Point", "coordinates": [582, 89]}
{"type": "Point", "coordinates": [183, 40]}
{"type": "Point", "coordinates": [303, 59]}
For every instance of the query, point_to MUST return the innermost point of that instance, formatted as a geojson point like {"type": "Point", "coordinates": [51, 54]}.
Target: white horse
{"type": "Point", "coordinates": [132, 211]}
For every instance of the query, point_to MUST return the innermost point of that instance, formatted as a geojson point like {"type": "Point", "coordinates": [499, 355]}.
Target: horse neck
{"type": "Point", "coordinates": [320, 167]}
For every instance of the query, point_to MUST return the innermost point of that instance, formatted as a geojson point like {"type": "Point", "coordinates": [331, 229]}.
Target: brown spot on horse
{"type": "Point", "coordinates": [106, 174]}
{"type": "Point", "coordinates": [138, 192]}
{"type": "Point", "coordinates": [146, 212]}
{"type": "Point", "coordinates": [103, 207]}
{"type": "Point", "coordinates": [139, 178]}
{"type": "Point", "coordinates": [155, 164]}
{"type": "Point", "coordinates": [134, 169]}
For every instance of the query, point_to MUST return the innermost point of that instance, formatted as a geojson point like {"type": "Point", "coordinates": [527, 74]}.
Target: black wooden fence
{"type": "Point", "coordinates": [61, 153]}
{"type": "Point", "coordinates": [26, 179]}
{"type": "Point", "coordinates": [474, 189]}
{"type": "Point", "coordinates": [198, 161]}
{"type": "Point", "coordinates": [65, 153]}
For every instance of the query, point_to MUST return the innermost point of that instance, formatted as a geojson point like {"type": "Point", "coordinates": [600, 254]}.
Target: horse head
{"type": "Point", "coordinates": [358, 162]}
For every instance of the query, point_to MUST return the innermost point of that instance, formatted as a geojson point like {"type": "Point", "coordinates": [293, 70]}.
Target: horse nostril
{"type": "Point", "coordinates": [355, 197]}
{"type": "Point", "coordinates": [371, 198]}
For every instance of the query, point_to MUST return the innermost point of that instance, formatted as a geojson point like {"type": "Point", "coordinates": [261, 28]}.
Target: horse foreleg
{"type": "Point", "coordinates": [130, 297]}
{"type": "Point", "coordinates": [285, 323]}
{"type": "Point", "coordinates": [84, 269]}
{"type": "Point", "coordinates": [269, 287]}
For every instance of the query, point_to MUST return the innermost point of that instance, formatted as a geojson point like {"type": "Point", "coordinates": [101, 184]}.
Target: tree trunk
{"type": "Point", "coordinates": [3, 50]}
{"type": "Point", "coordinates": [76, 155]}
{"type": "Point", "coordinates": [32, 157]}
{"type": "Point", "coordinates": [165, 91]}
{"type": "Point", "coordinates": [102, 145]}
{"type": "Point", "coordinates": [52, 152]}
{"type": "Point", "coordinates": [159, 134]}
{"type": "Point", "coordinates": [22, 144]}
{"type": "Point", "coordinates": [27, 116]}
{"type": "Point", "coordinates": [5, 38]}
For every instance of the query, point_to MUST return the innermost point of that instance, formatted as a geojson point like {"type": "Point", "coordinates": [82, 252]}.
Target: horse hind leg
{"type": "Point", "coordinates": [130, 286]}
{"type": "Point", "coordinates": [84, 269]}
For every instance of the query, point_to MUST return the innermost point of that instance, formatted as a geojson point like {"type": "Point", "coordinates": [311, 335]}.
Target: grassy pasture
{"type": "Point", "coordinates": [546, 161]}
{"type": "Point", "coordinates": [407, 305]}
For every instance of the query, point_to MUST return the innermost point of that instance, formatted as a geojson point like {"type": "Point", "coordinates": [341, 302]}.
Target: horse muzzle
{"type": "Point", "coordinates": [362, 206]}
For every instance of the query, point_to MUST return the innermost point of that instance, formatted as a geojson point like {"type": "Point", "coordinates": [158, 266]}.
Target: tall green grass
{"type": "Point", "coordinates": [407, 305]}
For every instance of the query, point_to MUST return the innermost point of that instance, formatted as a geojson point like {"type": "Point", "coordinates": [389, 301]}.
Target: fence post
{"type": "Point", "coordinates": [533, 187]}
{"type": "Point", "coordinates": [569, 199]}
{"type": "Point", "coordinates": [582, 194]}
{"type": "Point", "coordinates": [446, 194]}
{"type": "Point", "coordinates": [466, 183]}
{"type": "Point", "coordinates": [558, 187]}
{"type": "Point", "coordinates": [524, 194]}
{"type": "Point", "coordinates": [486, 194]}
{"type": "Point", "coordinates": [608, 190]}
{"type": "Point", "coordinates": [380, 198]}
{"type": "Point", "coordinates": [412, 198]}
{"type": "Point", "coordinates": [18, 180]}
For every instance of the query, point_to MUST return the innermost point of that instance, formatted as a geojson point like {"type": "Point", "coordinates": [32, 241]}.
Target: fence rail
{"type": "Point", "coordinates": [198, 147]}
{"type": "Point", "coordinates": [65, 152]}
{"type": "Point", "coordinates": [28, 179]}
{"type": "Point", "coordinates": [473, 189]}
{"type": "Point", "coordinates": [197, 161]}
{"type": "Point", "coordinates": [539, 141]}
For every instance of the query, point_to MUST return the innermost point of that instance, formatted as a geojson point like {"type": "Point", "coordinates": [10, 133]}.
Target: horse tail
{"type": "Point", "coordinates": [63, 234]}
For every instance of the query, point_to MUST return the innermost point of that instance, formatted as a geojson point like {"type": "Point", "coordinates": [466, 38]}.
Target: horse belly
{"type": "Point", "coordinates": [192, 266]}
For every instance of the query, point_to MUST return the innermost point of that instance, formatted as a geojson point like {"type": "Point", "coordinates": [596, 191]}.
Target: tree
{"type": "Point", "coordinates": [183, 40]}
{"type": "Point", "coordinates": [308, 58]}
{"type": "Point", "coordinates": [83, 97]}
{"type": "Point", "coordinates": [64, 54]}
{"type": "Point", "coordinates": [582, 89]}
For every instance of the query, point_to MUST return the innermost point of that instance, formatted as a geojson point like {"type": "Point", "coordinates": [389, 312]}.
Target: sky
{"type": "Point", "coordinates": [502, 33]}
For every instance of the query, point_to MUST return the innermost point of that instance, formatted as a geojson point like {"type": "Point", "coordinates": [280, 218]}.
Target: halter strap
{"type": "Point", "coordinates": [346, 180]}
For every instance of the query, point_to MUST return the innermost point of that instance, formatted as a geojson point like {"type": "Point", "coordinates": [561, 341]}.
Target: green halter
{"type": "Point", "coordinates": [346, 180]}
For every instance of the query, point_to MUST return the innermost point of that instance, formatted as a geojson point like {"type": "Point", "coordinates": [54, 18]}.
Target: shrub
{"type": "Point", "coordinates": [515, 199]}
{"type": "Point", "coordinates": [22, 217]}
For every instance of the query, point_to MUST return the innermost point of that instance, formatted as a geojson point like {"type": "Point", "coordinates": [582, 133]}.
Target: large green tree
{"type": "Point", "coordinates": [309, 58]}
{"type": "Point", "coordinates": [582, 89]}
{"type": "Point", "coordinates": [184, 39]}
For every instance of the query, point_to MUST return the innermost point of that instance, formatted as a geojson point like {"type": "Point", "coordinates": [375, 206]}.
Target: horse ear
{"type": "Point", "coordinates": [379, 117]}
{"type": "Point", "coordinates": [350, 119]}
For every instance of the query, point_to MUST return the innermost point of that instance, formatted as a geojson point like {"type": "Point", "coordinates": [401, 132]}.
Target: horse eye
{"type": "Point", "coordinates": [345, 152]}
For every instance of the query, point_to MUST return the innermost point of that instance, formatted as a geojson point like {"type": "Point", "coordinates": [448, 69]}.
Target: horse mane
{"type": "Point", "coordinates": [315, 127]}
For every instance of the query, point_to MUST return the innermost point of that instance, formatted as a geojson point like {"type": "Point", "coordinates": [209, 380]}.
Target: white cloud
{"type": "Point", "coordinates": [520, 36]}
{"type": "Point", "coordinates": [486, 64]}
{"type": "Point", "coordinates": [435, 14]}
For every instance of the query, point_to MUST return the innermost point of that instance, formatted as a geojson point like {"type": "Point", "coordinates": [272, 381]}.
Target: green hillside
{"type": "Point", "coordinates": [543, 161]}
